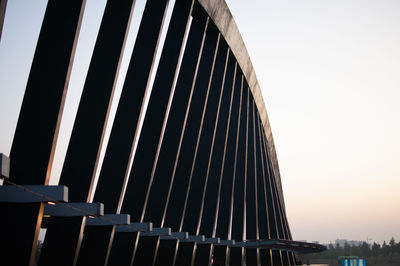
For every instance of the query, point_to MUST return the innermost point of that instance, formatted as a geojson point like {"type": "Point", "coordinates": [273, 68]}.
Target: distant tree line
{"type": "Point", "coordinates": [374, 253]}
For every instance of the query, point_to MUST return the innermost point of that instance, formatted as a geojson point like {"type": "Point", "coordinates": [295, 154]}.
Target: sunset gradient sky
{"type": "Point", "coordinates": [330, 75]}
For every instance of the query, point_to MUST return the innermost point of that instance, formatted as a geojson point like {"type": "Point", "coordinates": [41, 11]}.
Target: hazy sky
{"type": "Point", "coordinates": [330, 75]}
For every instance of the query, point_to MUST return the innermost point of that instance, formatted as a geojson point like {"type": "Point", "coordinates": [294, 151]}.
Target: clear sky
{"type": "Point", "coordinates": [330, 75]}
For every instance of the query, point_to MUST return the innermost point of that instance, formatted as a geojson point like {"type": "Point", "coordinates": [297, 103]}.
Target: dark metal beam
{"type": "Point", "coordinates": [74, 209]}
{"type": "Point", "coordinates": [234, 174]}
{"type": "Point", "coordinates": [223, 138]}
{"type": "Point", "coordinates": [238, 201]}
{"type": "Point", "coordinates": [85, 144]}
{"type": "Point", "coordinates": [114, 171]}
{"type": "Point", "coordinates": [147, 152]}
{"type": "Point", "coordinates": [33, 193]}
{"type": "Point", "coordinates": [178, 120]}
{"type": "Point", "coordinates": [205, 225]}
{"type": "Point", "coordinates": [264, 216]}
{"type": "Point", "coordinates": [278, 210]}
{"type": "Point", "coordinates": [275, 228]}
{"type": "Point", "coordinates": [36, 133]}
{"type": "Point", "coordinates": [221, 222]}
{"type": "Point", "coordinates": [163, 167]}
{"type": "Point", "coordinates": [198, 167]}
{"type": "Point", "coordinates": [252, 231]}
{"type": "Point", "coordinates": [181, 172]}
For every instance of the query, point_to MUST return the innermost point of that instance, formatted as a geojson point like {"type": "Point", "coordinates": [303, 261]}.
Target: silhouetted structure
{"type": "Point", "coordinates": [204, 167]}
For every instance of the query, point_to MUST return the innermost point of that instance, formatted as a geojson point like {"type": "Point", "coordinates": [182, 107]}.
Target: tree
{"type": "Point", "coordinates": [392, 244]}
{"type": "Point", "coordinates": [385, 249]}
{"type": "Point", "coordinates": [376, 249]}
{"type": "Point", "coordinates": [398, 248]}
{"type": "Point", "coordinates": [365, 250]}
{"type": "Point", "coordinates": [392, 247]}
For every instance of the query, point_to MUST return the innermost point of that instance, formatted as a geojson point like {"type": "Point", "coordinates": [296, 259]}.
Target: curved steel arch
{"type": "Point", "coordinates": [205, 164]}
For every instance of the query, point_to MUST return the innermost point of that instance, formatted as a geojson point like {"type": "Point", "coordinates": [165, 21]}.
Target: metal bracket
{"type": "Point", "coordinates": [33, 193]}
{"type": "Point", "coordinates": [226, 243]}
{"type": "Point", "coordinates": [211, 240]}
{"type": "Point", "coordinates": [134, 227]}
{"type": "Point", "coordinates": [109, 219]}
{"type": "Point", "coordinates": [74, 209]}
{"type": "Point", "coordinates": [195, 238]}
{"type": "Point", "coordinates": [158, 232]}
{"type": "Point", "coordinates": [176, 235]}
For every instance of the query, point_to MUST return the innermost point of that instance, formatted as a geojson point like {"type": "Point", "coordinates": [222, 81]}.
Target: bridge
{"type": "Point", "coordinates": [189, 177]}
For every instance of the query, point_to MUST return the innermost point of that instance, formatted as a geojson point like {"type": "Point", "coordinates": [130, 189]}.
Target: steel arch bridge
{"type": "Point", "coordinates": [196, 183]}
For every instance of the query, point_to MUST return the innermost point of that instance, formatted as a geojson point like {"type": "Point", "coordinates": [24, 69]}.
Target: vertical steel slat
{"type": "Point", "coordinates": [280, 210]}
{"type": "Point", "coordinates": [222, 172]}
{"type": "Point", "coordinates": [158, 197]}
{"type": "Point", "coordinates": [238, 220]}
{"type": "Point", "coordinates": [291, 260]}
{"type": "Point", "coordinates": [263, 168]}
{"type": "Point", "coordinates": [88, 131]}
{"type": "Point", "coordinates": [176, 201]}
{"type": "Point", "coordinates": [203, 81]}
{"type": "Point", "coordinates": [270, 177]}
{"type": "Point", "coordinates": [290, 256]}
{"type": "Point", "coordinates": [139, 177]}
{"type": "Point", "coordinates": [263, 199]}
{"type": "Point", "coordinates": [244, 232]}
{"type": "Point", "coordinates": [232, 201]}
{"type": "Point", "coordinates": [284, 254]}
{"type": "Point", "coordinates": [201, 254]}
{"type": "Point", "coordinates": [199, 135]}
{"type": "Point", "coordinates": [277, 254]}
{"type": "Point", "coordinates": [185, 122]}
{"type": "Point", "coordinates": [115, 166]}
{"type": "Point", "coordinates": [36, 133]}
{"type": "Point", "coordinates": [231, 88]}
{"type": "Point", "coordinates": [252, 257]}
{"type": "Point", "coordinates": [177, 120]}
{"type": "Point", "coordinates": [275, 257]}
{"type": "Point", "coordinates": [254, 110]}
{"type": "Point", "coordinates": [284, 222]}
{"type": "Point", "coordinates": [148, 244]}
{"type": "Point", "coordinates": [194, 200]}
{"type": "Point", "coordinates": [130, 107]}
{"type": "Point", "coordinates": [212, 150]}
{"type": "Point", "coordinates": [163, 84]}
{"type": "Point", "coordinates": [165, 119]}
{"type": "Point", "coordinates": [221, 222]}
{"type": "Point", "coordinates": [204, 250]}
{"type": "Point", "coordinates": [277, 181]}
{"type": "Point", "coordinates": [294, 259]}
